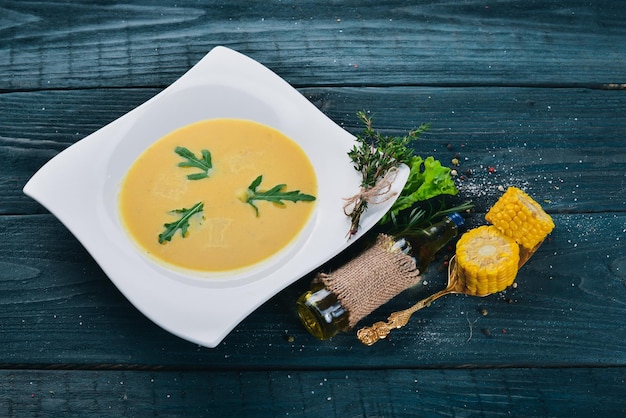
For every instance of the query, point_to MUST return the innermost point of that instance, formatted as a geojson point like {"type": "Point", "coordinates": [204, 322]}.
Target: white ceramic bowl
{"type": "Point", "coordinates": [80, 187]}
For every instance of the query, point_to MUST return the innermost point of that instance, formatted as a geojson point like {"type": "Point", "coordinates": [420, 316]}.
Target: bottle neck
{"type": "Point", "coordinates": [428, 241]}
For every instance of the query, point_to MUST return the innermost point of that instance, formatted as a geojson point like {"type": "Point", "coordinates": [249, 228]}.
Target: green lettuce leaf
{"type": "Point", "coordinates": [427, 179]}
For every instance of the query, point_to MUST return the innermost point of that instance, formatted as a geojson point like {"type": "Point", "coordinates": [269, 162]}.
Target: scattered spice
{"type": "Point", "coordinates": [288, 337]}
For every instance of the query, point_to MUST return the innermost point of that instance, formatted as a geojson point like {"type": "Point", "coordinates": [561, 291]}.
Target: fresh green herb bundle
{"type": "Point", "coordinates": [374, 157]}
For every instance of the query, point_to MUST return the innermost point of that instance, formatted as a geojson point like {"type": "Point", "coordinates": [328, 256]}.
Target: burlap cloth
{"type": "Point", "coordinates": [371, 279]}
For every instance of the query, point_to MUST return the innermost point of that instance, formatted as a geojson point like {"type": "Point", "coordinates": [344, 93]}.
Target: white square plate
{"type": "Point", "coordinates": [80, 187]}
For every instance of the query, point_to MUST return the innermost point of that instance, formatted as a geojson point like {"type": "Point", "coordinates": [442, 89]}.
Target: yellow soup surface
{"type": "Point", "coordinates": [227, 234]}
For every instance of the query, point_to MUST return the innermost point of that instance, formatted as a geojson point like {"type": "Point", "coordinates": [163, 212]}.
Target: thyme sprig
{"type": "Point", "coordinates": [374, 156]}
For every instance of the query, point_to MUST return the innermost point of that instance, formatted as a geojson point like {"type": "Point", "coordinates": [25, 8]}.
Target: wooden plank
{"type": "Point", "coordinates": [564, 146]}
{"type": "Point", "coordinates": [47, 45]}
{"type": "Point", "coordinates": [36, 126]}
{"type": "Point", "coordinates": [58, 309]}
{"type": "Point", "coordinates": [404, 393]}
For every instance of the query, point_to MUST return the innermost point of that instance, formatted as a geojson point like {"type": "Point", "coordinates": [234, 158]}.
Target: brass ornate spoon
{"type": "Point", "coordinates": [457, 283]}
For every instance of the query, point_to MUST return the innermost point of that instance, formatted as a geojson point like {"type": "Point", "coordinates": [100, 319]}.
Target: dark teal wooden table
{"type": "Point", "coordinates": [534, 89]}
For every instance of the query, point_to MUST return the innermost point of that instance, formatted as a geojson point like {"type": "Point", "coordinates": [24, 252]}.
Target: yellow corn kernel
{"type": "Point", "coordinates": [486, 260]}
{"type": "Point", "coordinates": [517, 215]}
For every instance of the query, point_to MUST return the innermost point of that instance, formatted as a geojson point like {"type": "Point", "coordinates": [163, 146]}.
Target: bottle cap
{"type": "Point", "coordinates": [457, 219]}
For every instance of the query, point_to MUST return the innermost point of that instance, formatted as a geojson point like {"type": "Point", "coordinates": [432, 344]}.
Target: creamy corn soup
{"type": "Point", "coordinates": [227, 233]}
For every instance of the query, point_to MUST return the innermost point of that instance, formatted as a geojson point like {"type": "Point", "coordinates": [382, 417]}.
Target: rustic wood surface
{"type": "Point", "coordinates": [534, 89]}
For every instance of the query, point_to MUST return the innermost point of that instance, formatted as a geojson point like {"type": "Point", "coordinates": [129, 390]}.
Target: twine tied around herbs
{"type": "Point", "coordinates": [374, 194]}
{"type": "Point", "coordinates": [371, 279]}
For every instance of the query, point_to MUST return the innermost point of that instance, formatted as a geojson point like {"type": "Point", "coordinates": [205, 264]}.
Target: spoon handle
{"type": "Point", "coordinates": [380, 330]}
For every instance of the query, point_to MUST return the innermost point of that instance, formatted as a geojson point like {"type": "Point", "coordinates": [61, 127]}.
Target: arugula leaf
{"type": "Point", "coordinates": [427, 179]}
{"type": "Point", "coordinates": [182, 223]}
{"type": "Point", "coordinates": [204, 163]}
{"type": "Point", "coordinates": [274, 195]}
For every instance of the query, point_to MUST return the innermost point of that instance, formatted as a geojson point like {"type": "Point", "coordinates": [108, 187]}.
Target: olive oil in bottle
{"type": "Point", "coordinates": [336, 302]}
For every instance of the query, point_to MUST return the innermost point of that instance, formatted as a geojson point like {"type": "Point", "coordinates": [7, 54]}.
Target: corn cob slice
{"type": "Point", "coordinates": [486, 260]}
{"type": "Point", "coordinates": [518, 216]}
